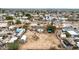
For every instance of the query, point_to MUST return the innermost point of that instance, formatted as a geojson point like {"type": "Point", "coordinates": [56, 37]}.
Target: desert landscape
{"type": "Point", "coordinates": [43, 41]}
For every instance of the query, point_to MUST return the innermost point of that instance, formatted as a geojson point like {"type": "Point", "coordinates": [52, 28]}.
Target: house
{"type": "Point", "coordinates": [1, 38]}
{"type": "Point", "coordinates": [66, 25]}
{"type": "Point", "coordinates": [3, 24]}
{"type": "Point", "coordinates": [78, 44]}
{"type": "Point", "coordinates": [27, 21]}
{"type": "Point", "coordinates": [57, 23]}
{"type": "Point", "coordinates": [33, 24]}
{"type": "Point", "coordinates": [12, 27]}
{"type": "Point", "coordinates": [2, 33]}
{"type": "Point", "coordinates": [48, 17]}
{"type": "Point", "coordinates": [62, 18]}
{"type": "Point", "coordinates": [40, 30]}
{"type": "Point", "coordinates": [24, 17]}
{"type": "Point", "coordinates": [70, 31]}
{"type": "Point", "coordinates": [73, 33]}
{"type": "Point", "coordinates": [12, 39]}
{"type": "Point", "coordinates": [67, 29]}
{"type": "Point", "coordinates": [1, 18]}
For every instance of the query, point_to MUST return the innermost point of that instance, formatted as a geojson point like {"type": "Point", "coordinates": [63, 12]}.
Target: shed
{"type": "Point", "coordinates": [3, 24]}
{"type": "Point", "coordinates": [11, 27]}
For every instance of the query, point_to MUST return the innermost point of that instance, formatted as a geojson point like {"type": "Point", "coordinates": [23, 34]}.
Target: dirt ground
{"type": "Point", "coordinates": [38, 41]}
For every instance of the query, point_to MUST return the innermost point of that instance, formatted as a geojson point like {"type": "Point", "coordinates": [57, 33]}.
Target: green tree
{"type": "Point", "coordinates": [13, 46]}
{"type": "Point", "coordinates": [67, 34]}
{"type": "Point", "coordinates": [51, 28]}
{"type": "Point", "coordinates": [9, 18]}
{"type": "Point", "coordinates": [18, 22]}
{"type": "Point", "coordinates": [29, 16]}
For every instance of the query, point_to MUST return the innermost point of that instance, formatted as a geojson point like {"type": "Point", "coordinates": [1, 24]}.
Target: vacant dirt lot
{"type": "Point", "coordinates": [40, 41]}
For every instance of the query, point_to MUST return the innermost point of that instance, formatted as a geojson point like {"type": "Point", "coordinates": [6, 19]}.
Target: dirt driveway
{"type": "Point", "coordinates": [42, 41]}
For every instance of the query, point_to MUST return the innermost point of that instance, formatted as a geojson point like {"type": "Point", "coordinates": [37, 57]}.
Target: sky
{"type": "Point", "coordinates": [39, 3]}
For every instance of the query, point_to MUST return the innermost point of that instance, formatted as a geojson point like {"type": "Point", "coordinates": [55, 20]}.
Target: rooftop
{"type": "Point", "coordinates": [72, 32]}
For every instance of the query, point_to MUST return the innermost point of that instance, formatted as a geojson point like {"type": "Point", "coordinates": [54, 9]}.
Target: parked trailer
{"type": "Point", "coordinates": [23, 39]}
